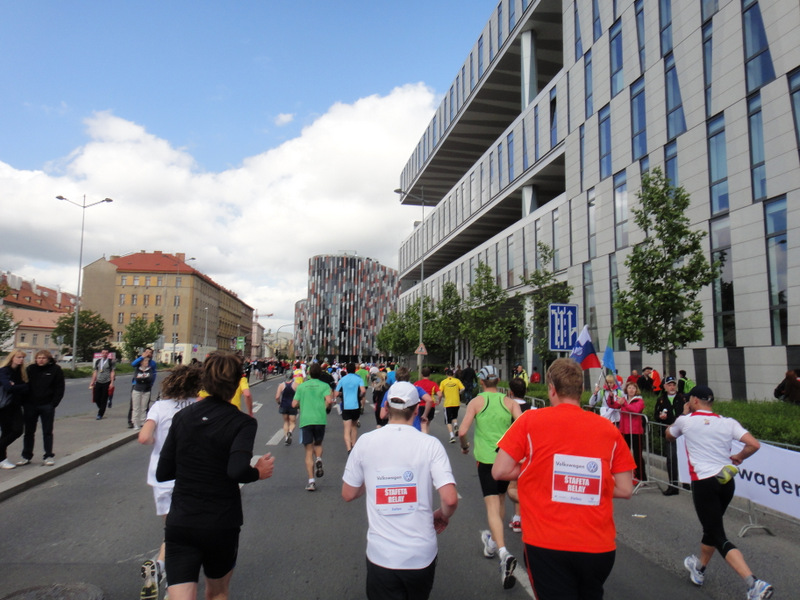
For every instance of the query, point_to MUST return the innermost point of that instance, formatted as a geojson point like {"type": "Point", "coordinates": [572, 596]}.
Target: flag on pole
{"type": "Point", "coordinates": [583, 352]}
{"type": "Point", "coordinates": [608, 355]}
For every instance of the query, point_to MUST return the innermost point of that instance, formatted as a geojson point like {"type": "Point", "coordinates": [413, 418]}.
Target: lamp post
{"type": "Point", "coordinates": [421, 198]}
{"type": "Point", "coordinates": [83, 206]}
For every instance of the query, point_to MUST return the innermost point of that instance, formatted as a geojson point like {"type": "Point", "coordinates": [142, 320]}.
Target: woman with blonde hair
{"type": "Point", "coordinates": [14, 381]}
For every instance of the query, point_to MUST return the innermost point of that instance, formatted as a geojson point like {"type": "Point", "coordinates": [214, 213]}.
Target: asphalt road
{"type": "Point", "coordinates": [97, 523]}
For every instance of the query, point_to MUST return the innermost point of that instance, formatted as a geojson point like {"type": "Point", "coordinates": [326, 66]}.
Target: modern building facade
{"type": "Point", "coordinates": [543, 136]}
{"type": "Point", "coordinates": [199, 315]}
{"type": "Point", "coordinates": [349, 298]}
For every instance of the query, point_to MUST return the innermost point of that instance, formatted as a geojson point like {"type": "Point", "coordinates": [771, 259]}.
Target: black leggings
{"type": "Point", "coordinates": [562, 575]}
{"type": "Point", "coordinates": [12, 425]}
{"type": "Point", "coordinates": [711, 499]}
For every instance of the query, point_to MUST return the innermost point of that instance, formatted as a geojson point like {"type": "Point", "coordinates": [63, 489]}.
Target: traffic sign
{"type": "Point", "coordinates": [563, 327]}
{"type": "Point", "coordinates": [421, 350]}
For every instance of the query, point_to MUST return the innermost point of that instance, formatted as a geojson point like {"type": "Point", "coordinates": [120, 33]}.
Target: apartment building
{"type": "Point", "coordinates": [199, 315]}
{"type": "Point", "coordinates": [543, 135]}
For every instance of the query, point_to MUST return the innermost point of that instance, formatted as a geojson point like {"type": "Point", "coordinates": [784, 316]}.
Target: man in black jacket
{"type": "Point", "coordinates": [46, 381]}
{"type": "Point", "coordinates": [669, 406]}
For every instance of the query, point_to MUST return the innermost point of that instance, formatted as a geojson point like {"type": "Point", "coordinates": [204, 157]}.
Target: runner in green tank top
{"type": "Point", "coordinates": [492, 412]}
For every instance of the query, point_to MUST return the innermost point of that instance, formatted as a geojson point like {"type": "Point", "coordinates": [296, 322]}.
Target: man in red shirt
{"type": "Point", "coordinates": [568, 476]}
{"type": "Point", "coordinates": [427, 410]}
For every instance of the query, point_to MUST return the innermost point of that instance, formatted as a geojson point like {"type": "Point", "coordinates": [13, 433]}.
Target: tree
{"type": "Point", "coordinates": [7, 324]}
{"type": "Point", "coordinates": [396, 338]}
{"type": "Point", "coordinates": [443, 331]}
{"type": "Point", "coordinates": [659, 310]}
{"type": "Point", "coordinates": [490, 319]}
{"type": "Point", "coordinates": [93, 332]}
{"type": "Point", "coordinates": [140, 334]}
{"type": "Point", "coordinates": [545, 290]}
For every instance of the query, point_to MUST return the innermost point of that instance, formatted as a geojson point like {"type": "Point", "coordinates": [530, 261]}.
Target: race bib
{"type": "Point", "coordinates": [395, 491]}
{"type": "Point", "coordinates": [577, 479]}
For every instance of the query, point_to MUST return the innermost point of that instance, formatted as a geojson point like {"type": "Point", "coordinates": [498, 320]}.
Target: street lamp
{"type": "Point", "coordinates": [83, 206]}
{"type": "Point", "coordinates": [421, 198]}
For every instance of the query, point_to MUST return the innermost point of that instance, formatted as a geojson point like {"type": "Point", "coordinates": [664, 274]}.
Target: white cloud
{"type": "Point", "coordinates": [284, 119]}
{"type": "Point", "coordinates": [252, 228]}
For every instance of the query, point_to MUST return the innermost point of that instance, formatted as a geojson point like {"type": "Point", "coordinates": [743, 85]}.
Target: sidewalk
{"type": "Point", "coordinates": [77, 440]}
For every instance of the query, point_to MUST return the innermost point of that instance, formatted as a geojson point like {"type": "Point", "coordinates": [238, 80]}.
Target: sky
{"type": "Point", "coordinates": [250, 135]}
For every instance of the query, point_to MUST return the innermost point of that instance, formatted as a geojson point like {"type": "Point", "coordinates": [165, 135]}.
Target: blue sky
{"type": "Point", "coordinates": [250, 135]}
{"type": "Point", "coordinates": [212, 77]}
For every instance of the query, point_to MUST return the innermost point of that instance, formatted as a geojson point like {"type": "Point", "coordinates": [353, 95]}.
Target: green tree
{"type": "Point", "coordinates": [7, 324]}
{"type": "Point", "coordinates": [490, 318]}
{"type": "Point", "coordinates": [140, 334]}
{"type": "Point", "coordinates": [396, 338]}
{"type": "Point", "coordinates": [545, 290]}
{"type": "Point", "coordinates": [441, 334]}
{"type": "Point", "coordinates": [658, 310]}
{"type": "Point", "coordinates": [93, 332]}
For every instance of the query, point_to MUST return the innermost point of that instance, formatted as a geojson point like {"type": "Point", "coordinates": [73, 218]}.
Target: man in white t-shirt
{"type": "Point", "coordinates": [397, 468]}
{"type": "Point", "coordinates": [712, 467]}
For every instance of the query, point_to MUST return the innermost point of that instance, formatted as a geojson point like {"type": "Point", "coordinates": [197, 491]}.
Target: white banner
{"type": "Point", "coordinates": [770, 477]}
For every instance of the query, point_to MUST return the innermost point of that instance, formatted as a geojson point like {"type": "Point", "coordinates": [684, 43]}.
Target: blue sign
{"type": "Point", "coordinates": [563, 327]}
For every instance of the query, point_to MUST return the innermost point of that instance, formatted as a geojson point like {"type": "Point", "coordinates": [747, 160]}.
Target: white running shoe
{"type": "Point", "coordinates": [489, 546]}
{"type": "Point", "coordinates": [150, 587]}
{"type": "Point", "coordinates": [692, 564]}
{"type": "Point", "coordinates": [761, 590]}
{"type": "Point", "coordinates": [7, 464]}
{"type": "Point", "coordinates": [507, 566]}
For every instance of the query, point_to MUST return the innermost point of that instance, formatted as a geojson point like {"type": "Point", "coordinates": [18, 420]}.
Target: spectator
{"type": "Point", "coordinates": [46, 381]}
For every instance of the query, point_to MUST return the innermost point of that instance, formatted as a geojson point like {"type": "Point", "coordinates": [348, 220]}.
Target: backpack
{"type": "Point", "coordinates": [688, 384]}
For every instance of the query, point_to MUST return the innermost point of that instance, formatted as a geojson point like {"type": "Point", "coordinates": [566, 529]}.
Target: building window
{"type": "Point", "coordinates": [722, 287]}
{"type": "Point", "coordinates": [124, 280]}
{"type": "Point", "coordinates": [471, 73]}
{"type": "Point", "coordinates": [553, 118]}
{"type": "Point", "coordinates": [640, 35]}
{"type": "Point", "coordinates": [145, 316]}
{"type": "Point", "coordinates": [590, 308]}
{"type": "Point", "coordinates": [135, 280]}
{"type": "Point", "coordinates": [621, 210]}
{"type": "Point", "coordinates": [617, 74]}
{"type": "Point", "coordinates": [671, 162]}
{"type": "Point", "coordinates": [500, 166]}
{"type": "Point", "coordinates": [665, 21]}
{"type": "Point", "coordinates": [491, 43]}
{"type": "Point", "coordinates": [122, 299]}
{"type": "Point", "coordinates": [605, 141]}
{"type": "Point", "coordinates": [160, 281]}
{"type": "Point", "coordinates": [134, 299]}
{"type": "Point", "coordinates": [757, 59]}
{"type": "Point", "coordinates": [591, 217]}
{"type": "Point", "coordinates": [708, 61]}
{"type": "Point", "coordinates": [638, 119]}
{"type": "Point", "coordinates": [556, 234]}
{"type": "Point", "coordinates": [35, 340]}
{"type": "Point", "coordinates": [120, 318]}
{"type": "Point", "coordinates": [452, 104]}
{"type": "Point", "coordinates": [46, 340]}
{"type": "Point", "coordinates": [146, 299]}
{"type": "Point", "coordinates": [578, 42]}
{"type": "Point", "coordinates": [178, 281]}
{"type": "Point", "coordinates": [500, 25]}
{"type": "Point", "coordinates": [775, 220]}
{"type": "Point", "coordinates": [491, 173]}
{"type": "Point", "coordinates": [581, 151]}
{"type": "Point", "coordinates": [794, 91]}
{"type": "Point", "coordinates": [510, 261]}
{"type": "Point", "coordinates": [134, 316]}
{"type": "Point", "coordinates": [536, 133]}
{"type": "Point", "coordinates": [758, 167]}
{"type": "Point", "coordinates": [524, 254]}
{"type": "Point", "coordinates": [22, 338]}
{"type": "Point", "coordinates": [588, 86]}
{"type": "Point", "coordinates": [176, 319]}
{"type": "Point", "coordinates": [537, 239]}
{"type": "Point", "coordinates": [676, 124]}
{"type": "Point", "coordinates": [525, 163]}
{"type": "Point", "coordinates": [158, 299]}
{"type": "Point", "coordinates": [510, 155]}
{"type": "Point", "coordinates": [147, 280]}
{"type": "Point", "coordinates": [597, 28]}
{"type": "Point", "coordinates": [512, 15]}
{"type": "Point", "coordinates": [119, 336]}
{"type": "Point", "coordinates": [717, 165]}
{"type": "Point", "coordinates": [708, 9]}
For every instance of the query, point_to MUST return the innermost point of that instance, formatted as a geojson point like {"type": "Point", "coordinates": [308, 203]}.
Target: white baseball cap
{"type": "Point", "coordinates": [403, 394]}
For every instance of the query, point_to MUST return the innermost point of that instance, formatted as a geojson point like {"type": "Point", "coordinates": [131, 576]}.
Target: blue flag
{"type": "Point", "coordinates": [608, 355]}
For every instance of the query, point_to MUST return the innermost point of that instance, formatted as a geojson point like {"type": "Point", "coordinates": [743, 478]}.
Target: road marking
{"type": "Point", "coordinates": [275, 439]}
{"type": "Point", "coordinates": [256, 406]}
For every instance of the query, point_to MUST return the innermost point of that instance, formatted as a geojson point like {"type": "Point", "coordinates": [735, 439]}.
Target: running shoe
{"type": "Point", "coordinates": [150, 587]}
{"type": "Point", "coordinates": [24, 461]}
{"type": "Point", "coordinates": [49, 461]}
{"type": "Point", "coordinates": [311, 487]}
{"type": "Point", "coordinates": [318, 467]}
{"type": "Point", "coordinates": [452, 439]}
{"type": "Point", "coordinates": [507, 566]}
{"type": "Point", "coordinates": [489, 547]}
{"type": "Point", "coordinates": [760, 590]}
{"type": "Point", "coordinates": [516, 526]}
{"type": "Point", "coordinates": [724, 476]}
{"type": "Point", "coordinates": [7, 464]}
{"type": "Point", "coordinates": [692, 564]}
